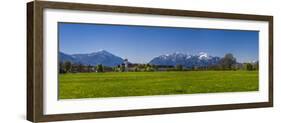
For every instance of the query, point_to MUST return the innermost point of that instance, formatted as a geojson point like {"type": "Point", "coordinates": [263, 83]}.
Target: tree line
{"type": "Point", "coordinates": [228, 62]}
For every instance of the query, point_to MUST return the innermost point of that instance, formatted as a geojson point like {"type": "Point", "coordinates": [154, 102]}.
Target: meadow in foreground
{"type": "Point", "coordinates": [120, 84]}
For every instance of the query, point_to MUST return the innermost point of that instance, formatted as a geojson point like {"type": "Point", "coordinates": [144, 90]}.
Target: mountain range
{"type": "Point", "coordinates": [200, 60]}
{"type": "Point", "coordinates": [108, 59]}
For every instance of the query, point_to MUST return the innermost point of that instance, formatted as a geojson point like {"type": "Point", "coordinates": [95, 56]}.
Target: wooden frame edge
{"type": "Point", "coordinates": [30, 88]}
{"type": "Point", "coordinates": [35, 61]}
{"type": "Point", "coordinates": [270, 39]}
{"type": "Point", "coordinates": [143, 112]}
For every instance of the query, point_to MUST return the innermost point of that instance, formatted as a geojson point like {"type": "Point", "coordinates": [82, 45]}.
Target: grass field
{"type": "Point", "coordinates": [119, 84]}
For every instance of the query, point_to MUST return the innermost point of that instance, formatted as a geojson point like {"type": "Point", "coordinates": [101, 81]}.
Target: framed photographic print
{"type": "Point", "coordinates": [90, 61]}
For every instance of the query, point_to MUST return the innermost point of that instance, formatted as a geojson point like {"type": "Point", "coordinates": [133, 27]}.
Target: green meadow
{"type": "Point", "coordinates": [121, 84]}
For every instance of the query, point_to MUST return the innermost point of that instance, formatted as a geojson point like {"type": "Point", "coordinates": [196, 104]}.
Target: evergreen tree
{"type": "Point", "coordinates": [100, 68]}
{"type": "Point", "coordinates": [68, 66]}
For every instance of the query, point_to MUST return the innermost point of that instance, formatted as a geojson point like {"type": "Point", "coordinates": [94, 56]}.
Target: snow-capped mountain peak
{"type": "Point", "coordinates": [203, 55]}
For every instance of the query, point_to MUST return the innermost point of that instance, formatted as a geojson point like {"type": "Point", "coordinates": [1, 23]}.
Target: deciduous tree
{"type": "Point", "coordinates": [228, 61]}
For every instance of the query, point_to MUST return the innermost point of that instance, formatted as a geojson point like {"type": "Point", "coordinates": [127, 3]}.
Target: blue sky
{"type": "Point", "coordinates": [140, 44]}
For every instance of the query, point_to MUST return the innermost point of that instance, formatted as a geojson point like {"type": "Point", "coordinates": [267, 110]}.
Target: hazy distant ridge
{"type": "Point", "coordinates": [95, 58]}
